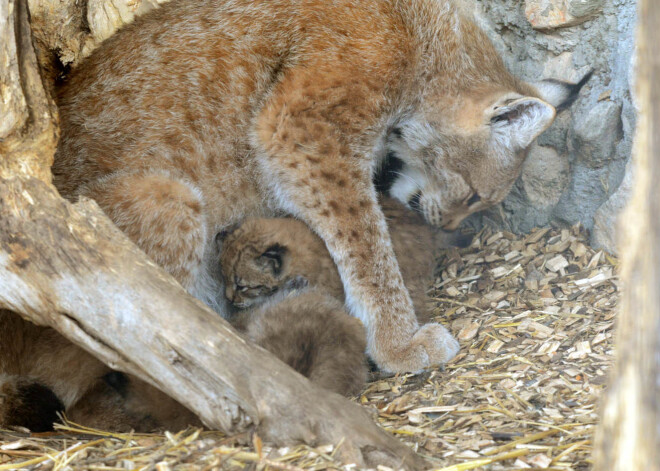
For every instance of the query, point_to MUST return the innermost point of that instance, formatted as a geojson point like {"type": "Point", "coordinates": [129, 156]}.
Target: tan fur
{"type": "Point", "coordinates": [305, 257]}
{"type": "Point", "coordinates": [311, 332]}
{"type": "Point", "coordinates": [202, 113]}
{"type": "Point", "coordinates": [265, 262]}
{"type": "Point", "coordinates": [42, 373]}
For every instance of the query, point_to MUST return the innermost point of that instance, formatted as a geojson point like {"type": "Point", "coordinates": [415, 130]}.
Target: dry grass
{"type": "Point", "coordinates": [534, 316]}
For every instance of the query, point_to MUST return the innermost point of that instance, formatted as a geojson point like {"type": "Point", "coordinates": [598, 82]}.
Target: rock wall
{"type": "Point", "coordinates": [574, 171]}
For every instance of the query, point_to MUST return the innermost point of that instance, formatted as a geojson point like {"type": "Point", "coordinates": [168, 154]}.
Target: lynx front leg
{"type": "Point", "coordinates": [310, 147]}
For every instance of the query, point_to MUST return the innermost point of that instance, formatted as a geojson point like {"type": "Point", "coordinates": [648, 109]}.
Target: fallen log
{"type": "Point", "coordinates": [68, 267]}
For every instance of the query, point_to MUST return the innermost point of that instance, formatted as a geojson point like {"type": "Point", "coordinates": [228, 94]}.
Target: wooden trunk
{"type": "Point", "coordinates": [629, 436]}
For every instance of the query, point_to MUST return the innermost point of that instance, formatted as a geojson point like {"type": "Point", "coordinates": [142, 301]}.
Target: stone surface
{"type": "Point", "coordinates": [581, 8]}
{"type": "Point", "coordinates": [596, 134]}
{"type": "Point", "coordinates": [551, 14]}
{"type": "Point", "coordinates": [544, 176]}
{"type": "Point", "coordinates": [593, 138]}
{"type": "Point", "coordinates": [606, 221]}
{"type": "Point", "coordinates": [588, 189]}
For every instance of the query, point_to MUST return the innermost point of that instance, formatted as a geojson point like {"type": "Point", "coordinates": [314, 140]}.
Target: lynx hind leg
{"type": "Point", "coordinates": [312, 333]}
{"type": "Point", "coordinates": [27, 403]}
{"type": "Point", "coordinates": [163, 215]}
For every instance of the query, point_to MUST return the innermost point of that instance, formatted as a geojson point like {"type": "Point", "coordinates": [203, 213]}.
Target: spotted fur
{"type": "Point", "coordinates": [202, 113]}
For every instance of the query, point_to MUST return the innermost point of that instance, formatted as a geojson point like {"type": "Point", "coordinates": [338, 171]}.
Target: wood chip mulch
{"type": "Point", "coordinates": [534, 316]}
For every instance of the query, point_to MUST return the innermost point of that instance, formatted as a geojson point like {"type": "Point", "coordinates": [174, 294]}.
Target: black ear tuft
{"type": "Point", "coordinates": [563, 94]}
{"type": "Point", "coordinates": [574, 91]}
{"type": "Point", "coordinates": [273, 257]}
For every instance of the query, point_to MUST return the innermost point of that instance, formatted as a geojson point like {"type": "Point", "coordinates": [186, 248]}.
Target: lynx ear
{"type": "Point", "coordinates": [223, 234]}
{"type": "Point", "coordinates": [560, 94]}
{"type": "Point", "coordinates": [273, 258]}
{"type": "Point", "coordinates": [518, 122]}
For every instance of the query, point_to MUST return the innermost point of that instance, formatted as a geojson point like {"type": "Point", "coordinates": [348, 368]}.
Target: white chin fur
{"type": "Point", "coordinates": [406, 185]}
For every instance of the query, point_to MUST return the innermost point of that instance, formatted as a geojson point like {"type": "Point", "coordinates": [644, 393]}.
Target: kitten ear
{"type": "Point", "coordinates": [273, 258]}
{"type": "Point", "coordinates": [561, 94]}
{"type": "Point", "coordinates": [516, 123]}
{"type": "Point", "coordinates": [224, 233]}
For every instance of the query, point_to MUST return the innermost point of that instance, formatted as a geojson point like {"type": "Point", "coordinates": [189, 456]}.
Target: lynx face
{"type": "Point", "coordinates": [451, 174]}
{"type": "Point", "coordinates": [448, 170]}
{"type": "Point", "coordinates": [255, 275]}
{"type": "Point", "coordinates": [255, 266]}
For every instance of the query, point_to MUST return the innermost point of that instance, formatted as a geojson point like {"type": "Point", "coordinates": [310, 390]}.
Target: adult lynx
{"type": "Point", "coordinates": [204, 112]}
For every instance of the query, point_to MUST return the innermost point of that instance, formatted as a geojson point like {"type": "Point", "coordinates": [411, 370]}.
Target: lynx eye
{"type": "Point", "coordinates": [475, 198]}
{"type": "Point", "coordinates": [415, 201]}
{"type": "Point", "coordinates": [242, 289]}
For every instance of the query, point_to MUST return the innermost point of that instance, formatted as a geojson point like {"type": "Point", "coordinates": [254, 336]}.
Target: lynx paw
{"type": "Point", "coordinates": [439, 344]}
{"type": "Point", "coordinates": [431, 345]}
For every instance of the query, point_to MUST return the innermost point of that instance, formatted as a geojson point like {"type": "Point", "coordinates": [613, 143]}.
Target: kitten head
{"type": "Point", "coordinates": [256, 262]}
{"type": "Point", "coordinates": [461, 154]}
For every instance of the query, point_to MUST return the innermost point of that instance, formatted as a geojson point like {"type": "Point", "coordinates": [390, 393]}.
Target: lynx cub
{"type": "Point", "coordinates": [266, 263]}
{"type": "Point", "coordinates": [42, 373]}
{"type": "Point", "coordinates": [311, 332]}
{"type": "Point", "coordinates": [204, 113]}
{"type": "Point", "coordinates": [265, 256]}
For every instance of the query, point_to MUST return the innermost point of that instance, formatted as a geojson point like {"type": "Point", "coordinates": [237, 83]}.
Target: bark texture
{"type": "Point", "coordinates": [629, 437]}
{"type": "Point", "coordinates": [28, 135]}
